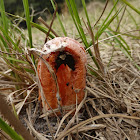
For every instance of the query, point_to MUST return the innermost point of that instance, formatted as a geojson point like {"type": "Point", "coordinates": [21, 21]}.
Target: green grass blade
{"type": "Point", "coordinates": [131, 6]}
{"type": "Point", "coordinates": [121, 46]}
{"type": "Point", "coordinates": [101, 30]}
{"type": "Point", "coordinates": [85, 9]}
{"type": "Point", "coordinates": [10, 40]}
{"type": "Point", "coordinates": [16, 60]}
{"type": "Point", "coordinates": [61, 24]}
{"type": "Point", "coordinates": [124, 50]}
{"type": "Point", "coordinates": [92, 70]}
{"type": "Point", "coordinates": [43, 29]}
{"type": "Point", "coordinates": [109, 14]}
{"type": "Point", "coordinates": [4, 46]}
{"type": "Point", "coordinates": [18, 30]}
{"type": "Point", "coordinates": [104, 26]}
{"type": "Point", "coordinates": [29, 70]}
{"type": "Point", "coordinates": [27, 15]}
{"type": "Point", "coordinates": [3, 15]}
{"type": "Point", "coordinates": [108, 23]}
{"type": "Point", "coordinates": [7, 129]}
{"type": "Point", "coordinates": [39, 27]}
{"type": "Point", "coordinates": [133, 19]}
{"type": "Point", "coordinates": [77, 18]}
{"type": "Point", "coordinates": [89, 24]}
{"type": "Point", "coordinates": [121, 38]}
{"type": "Point", "coordinates": [77, 23]}
{"type": "Point", "coordinates": [71, 12]}
{"type": "Point", "coordinates": [128, 48]}
{"type": "Point", "coordinates": [126, 33]}
{"type": "Point", "coordinates": [116, 11]}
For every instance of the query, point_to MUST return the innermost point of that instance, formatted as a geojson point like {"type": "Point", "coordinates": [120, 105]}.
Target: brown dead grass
{"type": "Point", "coordinates": [110, 110]}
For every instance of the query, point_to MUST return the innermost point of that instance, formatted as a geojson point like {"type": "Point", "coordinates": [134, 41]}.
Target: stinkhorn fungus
{"type": "Point", "coordinates": [68, 60]}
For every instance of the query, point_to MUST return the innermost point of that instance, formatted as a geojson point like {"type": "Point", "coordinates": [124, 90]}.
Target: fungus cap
{"type": "Point", "coordinates": [68, 60]}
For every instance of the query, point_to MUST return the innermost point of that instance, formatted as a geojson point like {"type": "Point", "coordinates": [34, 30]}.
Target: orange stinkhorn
{"type": "Point", "coordinates": [67, 58]}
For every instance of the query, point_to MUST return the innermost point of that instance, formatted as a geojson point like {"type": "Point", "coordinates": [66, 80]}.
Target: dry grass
{"type": "Point", "coordinates": [110, 109]}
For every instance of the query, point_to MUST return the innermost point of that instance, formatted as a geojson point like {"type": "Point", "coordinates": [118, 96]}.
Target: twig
{"type": "Point", "coordinates": [11, 53]}
{"type": "Point", "coordinates": [42, 21]}
{"type": "Point", "coordinates": [99, 17]}
{"type": "Point", "coordinates": [96, 50]}
{"type": "Point", "coordinates": [41, 12]}
{"type": "Point", "coordinates": [54, 15]}
{"type": "Point", "coordinates": [12, 83]}
{"type": "Point", "coordinates": [111, 37]}
{"type": "Point", "coordinates": [121, 19]}
{"type": "Point", "coordinates": [101, 13]}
